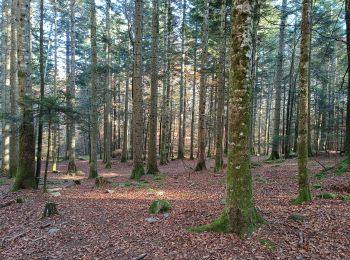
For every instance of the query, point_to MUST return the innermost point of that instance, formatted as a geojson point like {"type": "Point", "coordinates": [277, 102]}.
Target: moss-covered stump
{"type": "Point", "coordinates": [50, 210]}
{"type": "Point", "coordinates": [101, 181]}
{"type": "Point", "coordinates": [159, 206]}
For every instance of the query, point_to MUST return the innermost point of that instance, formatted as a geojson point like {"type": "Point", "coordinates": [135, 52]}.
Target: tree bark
{"type": "Point", "coordinates": [202, 92]}
{"type": "Point", "coordinates": [180, 150]}
{"type": "Point", "coordinates": [152, 167]}
{"type": "Point", "coordinates": [42, 93]}
{"type": "Point", "coordinates": [220, 113]}
{"type": "Point", "coordinates": [347, 21]}
{"type": "Point", "coordinates": [240, 215]}
{"type": "Point", "coordinates": [93, 109]}
{"type": "Point", "coordinates": [279, 84]}
{"type": "Point", "coordinates": [304, 187]}
{"type": "Point", "coordinates": [25, 176]}
{"type": "Point", "coordinates": [108, 137]}
{"type": "Point", "coordinates": [137, 111]}
{"type": "Point", "coordinates": [72, 169]}
{"type": "Point", "coordinates": [14, 91]}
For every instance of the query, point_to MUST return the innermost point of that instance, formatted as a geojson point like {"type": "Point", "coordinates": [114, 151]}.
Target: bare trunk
{"type": "Point", "coordinates": [202, 92]}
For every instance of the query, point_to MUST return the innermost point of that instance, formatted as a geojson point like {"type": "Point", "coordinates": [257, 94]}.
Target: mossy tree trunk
{"type": "Point", "coordinates": [304, 187]}
{"type": "Point", "coordinates": [93, 109]}
{"type": "Point", "coordinates": [25, 176]}
{"type": "Point", "coordinates": [202, 92]}
{"type": "Point", "coordinates": [240, 215]}
{"type": "Point", "coordinates": [279, 84]}
{"type": "Point", "coordinates": [152, 167]}
{"type": "Point", "coordinates": [137, 114]}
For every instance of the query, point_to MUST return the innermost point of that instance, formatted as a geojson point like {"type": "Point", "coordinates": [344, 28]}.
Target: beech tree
{"type": "Point", "coordinates": [304, 186]}
{"type": "Point", "coordinates": [240, 215]}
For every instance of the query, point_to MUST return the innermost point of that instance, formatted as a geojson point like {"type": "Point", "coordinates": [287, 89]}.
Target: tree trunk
{"type": "Point", "coordinates": [202, 92]}
{"type": "Point", "coordinates": [152, 167]}
{"type": "Point", "coordinates": [108, 137]}
{"type": "Point", "coordinates": [25, 176]}
{"type": "Point", "coordinates": [347, 136]}
{"type": "Point", "coordinates": [72, 169]}
{"type": "Point", "coordinates": [5, 84]}
{"type": "Point", "coordinates": [304, 187]}
{"type": "Point", "coordinates": [240, 215]}
{"type": "Point", "coordinates": [42, 93]}
{"type": "Point", "coordinates": [137, 110]}
{"type": "Point", "coordinates": [55, 125]}
{"type": "Point", "coordinates": [278, 85]}
{"type": "Point", "coordinates": [220, 113]}
{"type": "Point", "coordinates": [180, 151]}
{"type": "Point", "coordinates": [93, 109]}
{"type": "Point", "coordinates": [165, 145]}
{"type": "Point", "coordinates": [194, 93]}
{"type": "Point", "coordinates": [126, 112]}
{"type": "Point", "coordinates": [14, 91]}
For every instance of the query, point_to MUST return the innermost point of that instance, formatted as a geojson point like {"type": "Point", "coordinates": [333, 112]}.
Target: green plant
{"type": "Point", "coordinates": [159, 206]}
{"type": "Point", "coordinates": [327, 195]}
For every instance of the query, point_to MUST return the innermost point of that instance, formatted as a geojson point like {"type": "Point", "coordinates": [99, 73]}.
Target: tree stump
{"type": "Point", "coordinates": [101, 181]}
{"type": "Point", "coordinates": [50, 209]}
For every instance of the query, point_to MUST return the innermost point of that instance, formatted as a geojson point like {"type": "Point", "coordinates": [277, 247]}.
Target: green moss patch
{"type": "Point", "coordinates": [327, 195]}
{"type": "Point", "coordinates": [268, 244]}
{"type": "Point", "coordinates": [159, 206]}
{"type": "Point", "coordinates": [345, 197]}
{"type": "Point", "coordinates": [342, 168]}
{"type": "Point", "coordinates": [317, 186]}
{"type": "Point", "coordinates": [296, 217]}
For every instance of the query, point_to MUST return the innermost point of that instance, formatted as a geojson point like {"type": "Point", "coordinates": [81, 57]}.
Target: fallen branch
{"type": "Point", "coordinates": [301, 239]}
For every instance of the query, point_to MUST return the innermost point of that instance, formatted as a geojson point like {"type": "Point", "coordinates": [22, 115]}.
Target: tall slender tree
{"type": "Point", "coordinates": [304, 68]}
{"type": "Point", "coordinates": [14, 90]}
{"type": "Point", "coordinates": [108, 100]}
{"type": "Point", "coordinates": [240, 215]}
{"type": "Point", "coordinates": [25, 176]}
{"type": "Point", "coordinates": [347, 21]}
{"type": "Point", "coordinates": [279, 84]}
{"type": "Point", "coordinates": [202, 91]}
{"type": "Point", "coordinates": [5, 84]}
{"type": "Point", "coordinates": [221, 92]}
{"type": "Point", "coordinates": [72, 168]}
{"type": "Point", "coordinates": [180, 151]}
{"type": "Point", "coordinates": [42, 93]}
{"type": "Point", "coordinates": [152, 167]}
{"type": "Point", "coordinates": [137, 114]}
{"type": "Point", "coordinates": [93, 91]}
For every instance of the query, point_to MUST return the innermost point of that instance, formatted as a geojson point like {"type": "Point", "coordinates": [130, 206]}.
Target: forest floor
{"type": "Point", "coordinates": [110, 222]}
